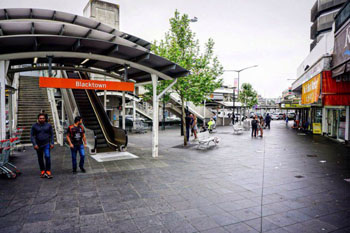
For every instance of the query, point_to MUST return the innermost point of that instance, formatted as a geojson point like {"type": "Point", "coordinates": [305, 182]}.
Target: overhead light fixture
{"type": "Point", "coordinates": [35, 60]}
{"type": "Point", "coordinates": [86, 60]}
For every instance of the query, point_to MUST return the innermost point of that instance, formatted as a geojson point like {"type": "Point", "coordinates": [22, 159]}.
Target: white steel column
{"type": "Point", "coordinates": [134, 111]}
{"type": "Point", "coordinates": [123, 110]}
{"type": "Point", "coordinates": [347, 124]}
{"type": "Point", "coordinates": [3, 72]}
{"type": "Point", "coordinates": [105, 98]}
{"type": "Point", "coordinates": [155, 117]}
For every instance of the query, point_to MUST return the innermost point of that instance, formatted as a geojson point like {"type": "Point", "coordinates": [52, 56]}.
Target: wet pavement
{"type": "Point", "coordinates": [188, 190]}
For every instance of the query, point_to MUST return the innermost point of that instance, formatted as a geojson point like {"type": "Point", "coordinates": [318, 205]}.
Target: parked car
{"type": "Point", "coordinates": [275, 116]}
{"type": "Point", "coordinates": [291, 116]}
{"type": "Point", "coordinates": [280, 116]}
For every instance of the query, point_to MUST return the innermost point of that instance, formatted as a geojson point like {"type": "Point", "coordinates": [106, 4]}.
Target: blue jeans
{"type": "Point", "coordinates": [44, 150]}
{"type": "Point", "coordinates": [74, 152]}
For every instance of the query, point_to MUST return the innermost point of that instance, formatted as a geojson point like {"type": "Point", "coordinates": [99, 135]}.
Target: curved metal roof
{"type": "Point", "coordinates": [71, 43]}
{"type": "Point", "coordinates": [52, 15]}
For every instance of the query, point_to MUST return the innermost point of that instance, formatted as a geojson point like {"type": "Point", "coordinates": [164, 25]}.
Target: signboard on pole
{"type": "Point", "coordinates": [85, 84]}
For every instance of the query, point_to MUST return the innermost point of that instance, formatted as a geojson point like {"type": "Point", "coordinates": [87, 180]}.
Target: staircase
{"type": "Point", "coordinates": [89, 118]}
{"type": "Point", "coordinates": [31, 100]}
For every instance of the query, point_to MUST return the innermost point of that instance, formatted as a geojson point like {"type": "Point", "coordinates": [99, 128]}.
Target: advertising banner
{"type": "Point", "coordinates": [85, 84]}
{"type": "Point", "coordinates": [341, 54]}
{"type": "Point", "coordinates": [311, 90]}
{"type": "Point", "coordinates": [335, 93]}
{"type": "Point", "coordinates": [316, 128]}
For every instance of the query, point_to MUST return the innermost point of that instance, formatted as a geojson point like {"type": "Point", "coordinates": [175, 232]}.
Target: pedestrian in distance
{"type": "Point", "coordinates": [261, 126]}
{"type": "Point", "coordinates": [286, 120]}
{"type": "Point", "coordinates": [255, 123]}
{"type": "Point", "coordinates": [194, 126]}
{"type": "Point", "coordinates": [188, 125]}
{"type": "Point", "coordinates": [211, 125]}
{"type": "Point", "coordinates": [233, 118]}
{"type": "Point", "coordinates": [46, 116]}
{"type": "Point", "coordinates": [191, 124]}
{"type": "Point", "coordinates": [42, 138]}
{"type": "Point", "coordinates": [77, 140]}
{"type": "Point", "coordinates": [268, 120]}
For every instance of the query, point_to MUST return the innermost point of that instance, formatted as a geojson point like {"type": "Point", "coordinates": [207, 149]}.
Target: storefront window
{"type": "Point", "coordinates": [342, 121]}
{"type": "Point", "coordinates": [318, 115]}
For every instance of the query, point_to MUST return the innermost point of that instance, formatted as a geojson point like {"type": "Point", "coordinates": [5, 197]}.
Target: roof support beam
{"type": "Point", "coordinates": [75, 18]}
{"type": "Point", "coordinates": [67, 68]}
{"type": "Point", "coordinates": [140, 58]}
{"type": "Point", "coordinates": [54, 15]}
{"type": "Point", "coordinates": [112, 39]}
{"type": "Point", "coordinates": [76, 45]}
{"type": "Point", "coordinates": [166, 68]}
{"type": "Point", "coordinates": [6, 14]}
{"type": "Point", "coordinates": [112, 50]}
{"type": "Point", "coordinates": [62, 30]}
{"type": "Point", "coordinates": [99, 24]}
{"type": "Point", "coordinates": [36, 44]}
{"type": "Point", "coordinates": [88, 33]}
{"type": "Point", "coordinates": [66, 54]}
{"type": "Point", "coordinates": [33, 29]}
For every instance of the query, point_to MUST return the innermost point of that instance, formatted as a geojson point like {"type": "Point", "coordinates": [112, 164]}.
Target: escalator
{"type": "Point", "coordinates": [108, 137]}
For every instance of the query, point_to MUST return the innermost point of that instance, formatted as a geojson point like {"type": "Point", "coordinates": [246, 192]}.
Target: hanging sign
{"type": "Point", "coordinates": [85, 84]}
{"type": "Point", "coordinates": [311, 90]}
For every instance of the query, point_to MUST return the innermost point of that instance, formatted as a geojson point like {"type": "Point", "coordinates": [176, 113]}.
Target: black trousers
{"type": "Point", "coordinates": [254, 130]}
{"type": "Point", "coordinates": [41, 152]}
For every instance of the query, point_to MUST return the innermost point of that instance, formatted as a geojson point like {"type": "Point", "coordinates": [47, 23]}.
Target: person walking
{"type": "Point", "coordinates": [76, 140]}
{"type": "Point", "coordinates": [260, 126]}
{"type": "Point", "coordinates": [188, 125]}
{"type": "Point", "coordinates": [233, 118]}
{"type": "Point", "coordinates": [42, 138]}
{"type": "Point", "coordinates": [194, 126]}
{"type": "Point", "coordinates": [268, 120]}
{"type": "Point", "coordinates": [255, 123]}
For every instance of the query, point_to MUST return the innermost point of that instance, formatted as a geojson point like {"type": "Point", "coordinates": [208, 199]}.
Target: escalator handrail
{"type": "Point", "coordinates": [99, 120]}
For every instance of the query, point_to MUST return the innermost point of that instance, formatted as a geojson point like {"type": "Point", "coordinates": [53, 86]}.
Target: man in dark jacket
{"type": "Point", "coordinates": [42, 138]}
{"type": "Point", "coordinates": [268, 120]}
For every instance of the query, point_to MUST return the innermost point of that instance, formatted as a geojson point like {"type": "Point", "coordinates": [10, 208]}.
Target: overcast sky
{"type": "Point", "coordinates": [273, 34]}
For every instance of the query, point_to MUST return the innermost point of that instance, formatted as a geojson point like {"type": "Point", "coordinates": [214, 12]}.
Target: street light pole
{"type": "Point", "coordinates": [238, 71]}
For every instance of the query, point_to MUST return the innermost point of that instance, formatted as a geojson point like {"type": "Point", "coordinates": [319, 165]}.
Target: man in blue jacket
{"type": "Point", "coordinates": [43, 140]}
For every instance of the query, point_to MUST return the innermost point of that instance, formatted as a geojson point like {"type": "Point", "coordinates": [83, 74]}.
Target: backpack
{"type": "Point", "coordinates": [254, 123]}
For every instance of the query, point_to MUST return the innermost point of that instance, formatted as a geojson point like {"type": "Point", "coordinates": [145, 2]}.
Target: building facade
{"type": "Point", "coordinates": [322, 18]}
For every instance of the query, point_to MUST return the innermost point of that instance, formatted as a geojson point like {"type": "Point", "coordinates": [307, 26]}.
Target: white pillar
{"type": "Point", "coordinates": [3, 72]}
{"type": "Point", "coordinates": [105, 98]}
{"type": "Point", "coordinates": [134, 111]}
{"type": "Point", "coordinates": [324, 121]}
{"type": "Point", "coordinates": [347, 124]}
{"type": "Point", "coordinates": [155, 117]}
{"type": "Point", "coordinates": [123, 110]}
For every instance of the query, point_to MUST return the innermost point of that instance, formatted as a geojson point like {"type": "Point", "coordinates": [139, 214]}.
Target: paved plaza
{"type": "Point", "coordinates": [188, 190]}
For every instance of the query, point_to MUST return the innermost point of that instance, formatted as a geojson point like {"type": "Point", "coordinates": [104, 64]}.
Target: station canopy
{"type": "Point", "coordinates": [29, 36]}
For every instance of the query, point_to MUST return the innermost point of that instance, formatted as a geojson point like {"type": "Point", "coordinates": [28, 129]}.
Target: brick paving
{"type": "Point", "coordinates": [188, 190]}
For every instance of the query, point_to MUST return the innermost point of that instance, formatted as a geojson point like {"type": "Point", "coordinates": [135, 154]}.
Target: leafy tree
{"type": "Point", "coordinates": [247, 95]}
{"type": "Point", "coordinates": [181, 46]}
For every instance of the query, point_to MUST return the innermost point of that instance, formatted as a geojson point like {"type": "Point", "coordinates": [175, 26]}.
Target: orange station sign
{"type": "Point", "coordinates": [85, 84]}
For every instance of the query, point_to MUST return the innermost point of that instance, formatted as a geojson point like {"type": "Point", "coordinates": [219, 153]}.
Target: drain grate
{"type": "Point", "coordinates": [299, 176]}
{"type": "Point", "coordinates": [311, 156]}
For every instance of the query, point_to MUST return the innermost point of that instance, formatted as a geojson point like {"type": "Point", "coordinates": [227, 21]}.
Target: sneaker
{"type": "Point", "coordinates": [82, 170]}
{"type": "Point", "coordinates": [74, 171]}
{"type": "Point", "coordinates": [42, 174]}
{"type": "Point", "coordinates": [48, 175]}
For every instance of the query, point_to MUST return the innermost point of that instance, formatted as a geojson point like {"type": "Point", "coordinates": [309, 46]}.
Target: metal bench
{"type": "Point", "coordinates": [237, 129]}
{"type": "Point", "coordinates": [205, 138]}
